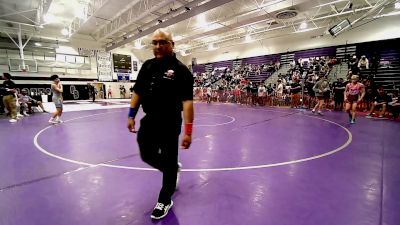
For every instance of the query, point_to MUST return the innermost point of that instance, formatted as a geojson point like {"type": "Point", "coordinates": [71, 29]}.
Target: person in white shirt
{"type": "Point", "coordinates": [279, 89]}
{"type": "Point", "coordinates": [209, 92]}
{"type": "Point", "coordinates": [261, 94]}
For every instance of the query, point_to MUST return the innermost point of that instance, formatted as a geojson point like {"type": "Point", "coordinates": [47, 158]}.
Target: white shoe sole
{"type": "Point", "coordinates": [166, 213]}
{"type": "Point", "coordinates": [178, 175]}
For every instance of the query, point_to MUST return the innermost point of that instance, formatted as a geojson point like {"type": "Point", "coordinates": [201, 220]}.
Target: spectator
{"type": "Point", "coordinates": [27, 102]}
{"type": "Point", "coordinates": [381, 100]}
{"type": "Point", "coordinates": [353, 65]}
{"type": "Point", "coordinates": [122, 91]}
{"type": "Point", "coordinates": [394, 106]}
{"type": "Point", "coordinates": [9, 98]}
{"type": "Point", "coordinates": [261, 94]}
{"type": "Point", "coordinates": [295, 89]}
{"type": "Point", "coordinates": [338, 93]}
{"type": "Point", "coordinates": [363, 63]}
{"type": "Point", "coordinates": [320, 88]}
{"type": "Point", "coordinates": [279, 89]}
{"type": "Point", "coordinates": [375, 61]}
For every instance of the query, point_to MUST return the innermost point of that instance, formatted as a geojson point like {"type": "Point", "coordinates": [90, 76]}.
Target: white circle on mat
{"type": "Point", "coordinates": [343, 146]}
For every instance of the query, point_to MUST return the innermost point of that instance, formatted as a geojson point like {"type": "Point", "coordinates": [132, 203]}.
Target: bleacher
{"type": "Point", "coordinates": [388, 72]}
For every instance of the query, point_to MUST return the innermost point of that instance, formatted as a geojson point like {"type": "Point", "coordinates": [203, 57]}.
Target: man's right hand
{"type": "Point", "coordinates": [131, 125]}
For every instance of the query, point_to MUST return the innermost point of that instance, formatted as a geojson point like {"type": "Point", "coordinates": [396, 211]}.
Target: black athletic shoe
{"type": "Point", "coordinates": [161, 210]}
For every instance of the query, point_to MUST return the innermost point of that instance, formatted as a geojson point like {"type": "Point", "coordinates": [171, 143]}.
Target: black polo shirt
{"type": "Point", "coordinates": [10, 85]}
{"type": "Point", "coordinates": [337, 88]}
{"type": "Point", "coordinates": [384, 98]}
{"type": "Point", "coordinates": [162, 85]}
{"type": "Point", "coordinates": [295, 87]}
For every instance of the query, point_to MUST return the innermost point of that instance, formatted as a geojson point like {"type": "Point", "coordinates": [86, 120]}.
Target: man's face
{"type": "Point", "coordinates": [162, 46]}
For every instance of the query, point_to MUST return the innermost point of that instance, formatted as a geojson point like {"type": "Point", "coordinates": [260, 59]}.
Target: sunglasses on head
{"type": "Point", "coordinates": [159, 42]}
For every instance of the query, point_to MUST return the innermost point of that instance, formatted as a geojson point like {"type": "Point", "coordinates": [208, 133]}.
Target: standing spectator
{"type": "Point", "coordinates": [279, 90]}
{"type": "Point", "coordinates": [109, 92]}
{"type": "Point", "coordinates": [338, 93]}
{"type": "Point", "coordinates": [320, 88]}
{"type": "Point", "coordinates": [122, 91]}
{"type": "Point", "coordinates": [93, 91]}
{"type": "Point", "coordinates": [375, 61]}
{"type": "Point", "coordinates": [261, 94]}
{"type": "Point", "coordinates": [209, 92]}
{"type": "Point", "coordinates": [295, 89]}
{"type": "Point", "coordinates": [9, 98]}
{"type": "Point", "coordinates": [353, 65]}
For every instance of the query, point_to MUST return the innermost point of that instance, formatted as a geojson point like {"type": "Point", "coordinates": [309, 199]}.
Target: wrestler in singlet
{"type": "Point", "coordinates": [353, 91]}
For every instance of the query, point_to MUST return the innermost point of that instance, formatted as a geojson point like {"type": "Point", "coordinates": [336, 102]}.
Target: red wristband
{"type": "Point", "coordinates": [188, 129]}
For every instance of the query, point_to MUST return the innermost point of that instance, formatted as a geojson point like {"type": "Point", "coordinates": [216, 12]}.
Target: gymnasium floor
{"type": "Point", "coordinates": [246, 166]}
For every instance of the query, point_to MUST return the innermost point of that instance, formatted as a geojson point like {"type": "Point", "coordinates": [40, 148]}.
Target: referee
{"type": "Point", "coordinates": [164, 88]}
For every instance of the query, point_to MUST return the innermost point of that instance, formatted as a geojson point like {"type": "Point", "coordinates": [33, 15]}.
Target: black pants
{"type": "Point", "coordinates": [339, 98]}
{"type": "Point", "coordinates": [158, 144]}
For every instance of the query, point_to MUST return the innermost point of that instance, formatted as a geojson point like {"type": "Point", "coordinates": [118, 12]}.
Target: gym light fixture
{"type": "Point", "coordinates": [303, 25]}
{"type": "Point", "coordinates": [397, 5]}
{"type": "Point", "coordinates": [64, 31]}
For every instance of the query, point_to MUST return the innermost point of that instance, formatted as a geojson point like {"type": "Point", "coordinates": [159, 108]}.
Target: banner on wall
{"type": "Point", "coordinates": [123, 77]}
{"type": "Point", "coordinates": [135, 66]}
{"type": "Point", "coordinates": [104, 66]}
{"type": "Point", "coordinates": [87, 52]}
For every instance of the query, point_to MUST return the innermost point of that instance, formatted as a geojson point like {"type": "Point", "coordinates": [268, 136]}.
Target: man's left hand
{"type": "Point", "coordinates": [186, 141]}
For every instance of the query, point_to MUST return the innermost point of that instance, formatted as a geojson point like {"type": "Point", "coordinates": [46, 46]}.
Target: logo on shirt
{"type": "Point", "coordinates": [169, 74]}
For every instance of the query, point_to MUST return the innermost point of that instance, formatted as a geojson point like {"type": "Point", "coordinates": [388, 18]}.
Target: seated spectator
{"type": "Point", "coordinates": [27, 102]}
{"type": "Point", "coordinates": [394, 106]}
{"type": "Point", "coordinates": [363, 63]}
{"type": "Point", "coordinates": [381, 100]}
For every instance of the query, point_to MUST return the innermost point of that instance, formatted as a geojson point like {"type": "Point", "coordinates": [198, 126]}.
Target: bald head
{"type": "Point", "coordinates": [164, 33]}
{"type": "Point", "coordinates": [162, 43]}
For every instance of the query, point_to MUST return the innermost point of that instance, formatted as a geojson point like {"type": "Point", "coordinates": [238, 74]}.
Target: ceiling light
{"type": "Point", "coordinates": [329, 3]}
{"type": "Point", "coordinates": [303, 25]}
{"type": "Point", "coordinates": [80, 13]}
{"type": "Point", "coordinates": [397, 5]}
{"type": "Point", "coordinates": [305, 30]}
{"type": "Point", "coordinates": [388, 14]}
{"type": "Point", "coordinates": [138, 44]}
{"type": "Point", "coordinates": [178, 38]}
{"type": "Point", "coordinates": [64, 31]}
{"type": "Point", "coordinates": [247, 38]}
{"type": "Point", "coordinates": [49, 18]}
{"type": "Point", "coordinates": [184, 53]}
{"type": "Point", "coordinates": [201, 20]}
{"type": "Point", "coordinates": [211, 47]}
{"type": "Point", "coordinates": [38, 44]}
